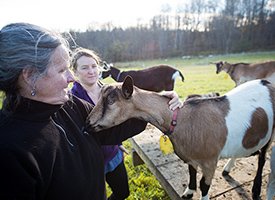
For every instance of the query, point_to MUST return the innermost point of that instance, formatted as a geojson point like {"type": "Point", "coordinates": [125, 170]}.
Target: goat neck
{"type": "Point", "coordinates": [115, 73]}
{"type": "Point", "coordinates": [230, 69]}
{"type": "Point", "coordinates": [153, 107]}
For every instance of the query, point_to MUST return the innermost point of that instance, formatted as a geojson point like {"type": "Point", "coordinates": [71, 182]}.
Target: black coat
{"type": "Point", "coordinates": [46, 153]}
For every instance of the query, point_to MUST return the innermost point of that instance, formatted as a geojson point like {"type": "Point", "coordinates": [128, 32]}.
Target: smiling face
{"type": "Point", "coordinates": [52, 86]}
{"type": "Point", "coordinates": [87, 70]}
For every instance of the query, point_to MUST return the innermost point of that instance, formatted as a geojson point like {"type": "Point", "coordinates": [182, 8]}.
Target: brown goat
{"type": "Point", "coordinates": [156, 78]}
{"type": "Point", "coordinates": [242, 72]}
{"type": "Point", "coordinates": [235, 125]}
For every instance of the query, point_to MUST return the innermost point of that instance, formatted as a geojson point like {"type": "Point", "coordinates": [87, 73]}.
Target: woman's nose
{"type": "Point", "coordinates": [70, 77]}
{"type": "Point", "coordinates": [91, 70]}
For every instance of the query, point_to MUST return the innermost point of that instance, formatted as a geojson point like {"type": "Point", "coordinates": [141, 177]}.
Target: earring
{"type": "Point", "coordinates": [33, 92]}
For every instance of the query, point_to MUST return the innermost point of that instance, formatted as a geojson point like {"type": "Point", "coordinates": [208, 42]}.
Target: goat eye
{"type": "Point", "coordinates": [111, 99]}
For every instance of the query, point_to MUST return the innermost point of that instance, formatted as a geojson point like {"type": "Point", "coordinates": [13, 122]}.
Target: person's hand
{"type": "Point", "coordinates": [175, 102]}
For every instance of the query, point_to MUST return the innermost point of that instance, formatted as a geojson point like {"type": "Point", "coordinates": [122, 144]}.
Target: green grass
{"type": "Point", "coordinates": [199, 73]}
{"type": "Point", "coordinates": [200, 78]}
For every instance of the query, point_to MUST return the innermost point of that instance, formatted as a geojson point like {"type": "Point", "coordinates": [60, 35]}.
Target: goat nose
{"type": "Point", "coordinates": [87, 122]}
{"type": "Point", "coordinates": [88, 128]}
{"type": "Point", "coordinates": [92, 127]}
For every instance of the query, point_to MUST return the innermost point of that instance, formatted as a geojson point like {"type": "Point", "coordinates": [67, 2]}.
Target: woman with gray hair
{"type": "Point", "coordinates": [46, 148]}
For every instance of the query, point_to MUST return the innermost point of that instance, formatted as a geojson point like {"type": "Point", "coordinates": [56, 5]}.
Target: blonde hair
{"type": "Point", "coordinates": [79, 52]}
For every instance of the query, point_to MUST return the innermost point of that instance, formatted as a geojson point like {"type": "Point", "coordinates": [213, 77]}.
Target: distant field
{"type": "Point", "coordinates": [200, 74]}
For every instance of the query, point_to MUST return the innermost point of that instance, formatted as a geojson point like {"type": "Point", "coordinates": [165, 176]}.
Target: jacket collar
{"type": "Point", "coordinates": [29, 109]}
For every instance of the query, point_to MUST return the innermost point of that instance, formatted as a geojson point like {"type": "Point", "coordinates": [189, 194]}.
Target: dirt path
{"type": "Point", "coordinates": [238, 185]}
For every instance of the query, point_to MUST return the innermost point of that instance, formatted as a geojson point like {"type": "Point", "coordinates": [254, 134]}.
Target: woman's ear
{"type": "Point", "coordinates": [27, 76]}
{"type": "Point", "coordinates": [26, 82]}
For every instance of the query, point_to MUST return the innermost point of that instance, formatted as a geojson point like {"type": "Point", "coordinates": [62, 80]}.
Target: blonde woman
{"type": "Point", "coordinates": [85, 64]}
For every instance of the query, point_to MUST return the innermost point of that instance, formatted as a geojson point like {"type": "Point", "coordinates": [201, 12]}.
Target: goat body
{"type": "Point", "coordinates": [242, 72]}
{"type": "Point", "coordinates": [237, 124]}
{"type": "Point", "coordinates": [157, 78]}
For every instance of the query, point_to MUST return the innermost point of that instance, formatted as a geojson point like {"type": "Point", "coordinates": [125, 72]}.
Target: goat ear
{"type": "Point", "coordinates": [106, 66]}
{"type": "Point", "coordinates": [127, 87]}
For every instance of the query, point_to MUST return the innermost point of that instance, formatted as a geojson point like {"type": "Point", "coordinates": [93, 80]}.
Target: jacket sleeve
{"type": "Point", "coordinates": [112, 136]}
{"type": "Point", "coordinates": [119, 133]}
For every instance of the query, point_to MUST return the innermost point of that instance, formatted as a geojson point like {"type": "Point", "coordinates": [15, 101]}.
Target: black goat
{"type": "Point", "coordinates": [156, 78]}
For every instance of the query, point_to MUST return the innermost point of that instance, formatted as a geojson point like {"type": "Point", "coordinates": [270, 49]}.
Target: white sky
{"type": "Point", "coordinates": [79, 14]}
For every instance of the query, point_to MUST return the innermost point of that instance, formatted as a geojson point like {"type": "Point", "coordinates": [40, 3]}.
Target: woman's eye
{"type": "Point", "coordinates": [63, 70]}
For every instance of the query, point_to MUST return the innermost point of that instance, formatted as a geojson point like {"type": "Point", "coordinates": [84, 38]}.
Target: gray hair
{"type": "Point", "coordinates": [24, 46]}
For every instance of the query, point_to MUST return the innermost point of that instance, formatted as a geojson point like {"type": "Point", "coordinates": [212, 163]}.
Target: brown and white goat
{"type": "Point", "coordinates": [156, 78]}
{"type": "Point", "coordinates": [234, 125]}
{"type": "Point", "coordinates": [242, 72]}
{"type": "Point", "coordinates": [208, 95]}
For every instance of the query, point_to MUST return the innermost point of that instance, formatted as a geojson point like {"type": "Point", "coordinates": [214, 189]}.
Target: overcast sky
{"type": "Point", "coordinates": [79, 14]}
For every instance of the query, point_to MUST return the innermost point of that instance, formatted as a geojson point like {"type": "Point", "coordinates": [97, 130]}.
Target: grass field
{"type": "Point", "coordinates": [200, 77]}
{"type": "Point", "coordinates": [200, 74]}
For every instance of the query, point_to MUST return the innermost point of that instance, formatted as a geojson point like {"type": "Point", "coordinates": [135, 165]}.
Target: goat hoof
{"type": "Point", "coordinates": [189, 196]}
{"type": "Point", "coordinates": [225, 173]}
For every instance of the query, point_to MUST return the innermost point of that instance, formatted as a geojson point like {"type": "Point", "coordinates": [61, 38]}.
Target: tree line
{"type": "Point", "coordinates": [202, 27]}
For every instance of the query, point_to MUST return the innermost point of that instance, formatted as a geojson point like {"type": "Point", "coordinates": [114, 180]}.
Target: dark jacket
{"type": "Point", "coordinates": [46, 152]}
{"type": "Point", "coordinates": [109, 151]}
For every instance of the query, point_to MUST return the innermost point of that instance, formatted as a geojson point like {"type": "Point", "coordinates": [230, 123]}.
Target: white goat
{"type": "Point", "coordinates": [243, 72]}
{"type": "Point", "coordinates": [238, 124]}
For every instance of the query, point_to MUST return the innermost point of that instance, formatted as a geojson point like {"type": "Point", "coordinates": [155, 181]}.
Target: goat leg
{"type": "Point", "coordinates": [257, 183]}
{"type": "Point", "coordinates": [192, 186]}
{"type": "Point", "coordinates": [227, 168]}
{"type": "Point", "coordinates": [204, 189]}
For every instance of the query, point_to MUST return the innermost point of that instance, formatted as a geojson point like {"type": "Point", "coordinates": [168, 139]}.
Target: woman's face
{"type": "Point", "coordinates": [52, 87]}
{"type": "Point", "coordinates": [87, 70]}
